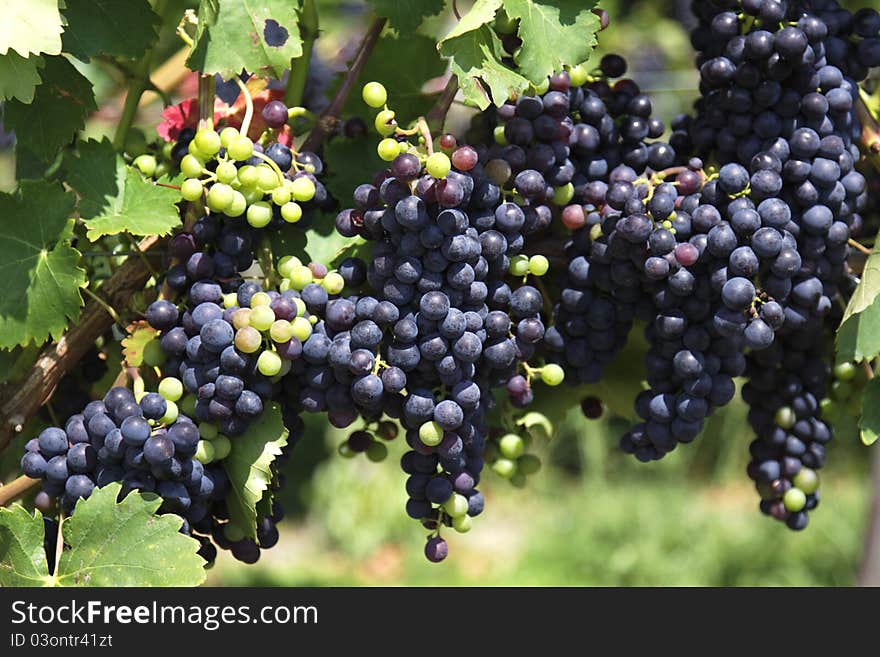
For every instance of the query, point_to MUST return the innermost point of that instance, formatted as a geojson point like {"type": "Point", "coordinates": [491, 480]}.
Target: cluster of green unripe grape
{"type": "Point", "coordinates": [507, 451]}
{"type": "Point", "coordinates": [237, 185]}
{"type": "Point", "coordinates": [396, 140]}
{"type": "Point", "coordinates": [845, 395]}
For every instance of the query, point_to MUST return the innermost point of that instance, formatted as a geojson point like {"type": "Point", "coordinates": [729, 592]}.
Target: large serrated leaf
{"type": "Point", "coordinates": [126, 544]}
{"type": "Point", "coordinates": [476, 53]}
{"type": "Point", "coordinates": [142, 208]}
{"type": "Point", "coordinates": [96, 172]}
{"type": "Point", "coordinates": [59, 108]}
{"type": "Point", "coordinates": [107, 543]}
{"type": "Point", "coordinates": [869, 423]}
{"type": "Point", "coordinates": [19, 76]}
{"type": "Point", "coordinates": [120, 28]}
{"type": "Point", "coordinates": [405, 16]}
{"type": "Point", "coordinates": [22, 557]}
{"type": "Point", "coordinates": [30, 27]}
{"type": "Point", "coordinates": [246, 34]}
{"type": "Point", "coordinates": [249, 466]}
{"type": "Point", "coordinates": [38, 266]}
{"type": "Point", "coordinates": [553, 33]}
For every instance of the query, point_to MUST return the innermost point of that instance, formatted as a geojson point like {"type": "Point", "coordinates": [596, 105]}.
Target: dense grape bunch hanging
{"type": "Point", "coordinates": [460, 280]}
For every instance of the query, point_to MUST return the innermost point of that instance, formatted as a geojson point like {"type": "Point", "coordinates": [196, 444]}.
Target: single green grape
{"type": "Point", "coordinates": [504, 468]}
{"type": "Point", "coordinates": [240, 148]}
{"type": "Point", "coordinates": [301, 277]}
{"type": "Point", "coordinates": [205, 452]}
{"type": "Point", "coordinates": [281, 330]}
{"type": "Point", "coordinates": [374, 94]}
{"type": "Point", "coordinates": [260, 299]}
{"type": "Point", "coordinates": [377, 452]}
{"type": "Point", "coordinates": [259, 214]}
{"type": "Point", "coordinates": [226, 172]}
{"type": "Point", "coordinates": [794, 500]}
{"type": "Point", "coordinates": [462, 524]}
{"type": "Point", "coordinates": [238, 206]}
{"type": "Point", "coordinates": [269, 363]}
{"type": "Point", "coordinates": [499, 136]}
{"type": "Point", "coordinates": [345, 451]}
{"type": "Point", "coordinates": [845, 371]}
{"type": "Point", "coordinates": [262, 318]}
{"type": "Point", "coordinates": [518, 479]}
{"type": "Point", "coordinates": [247, 176]}
{"type": "Point", "coordinates": [438, 165]}
{"type": "Point", "coordinates": [267, 178]}
{"type": "Point", "coordinates": [333, 283]}
{"type": "Point", "coordinates": [519, 265]}
{"type": "Point", "coordinates": [252, 194]}
{"type": "Point", "coordinates": [431, 434]}
{"type": "Point", "coordinates": [542, 87]}
{"type": "Point", "coordinates": [301, 328]}
{"type": "Point", "coordinates": [388, 149]}
{"type": "Point", "coordinates": [578, 75]}
{"type": "Point", "coordinates": [552, 374]}
{"type": "Point", "coordinates": [241, 318]}
{"type": "Point", "coordinates": [227, 135]}
{"type": "Point", "coordinates": [248, 340]}
{"type": "Point", "coordinates": [538, 265]}
{"type": "Point", "coordinates": [806, 480]}
{"type": "Point", "coordinates": [562, 195]}
{"type": "Point", "coordinates": [291, 212]}
{"type": "Point", "coordinates": [785, 417]}
{"type": "Point", "coordinates": [171, 388]}
{"type": "Point", "coordinates": [456, 506]}
{"type": "Point", "coordinates": [208, 142]}
{"type": "Point", "coordinates": [385, 124]}
{"type": "Point", "coordinates": [300, 307]}
{"type": "Point", "coordinates": [171, 413]}
{"type": "Point", "coordinates": [220, 197]}
{"type": "Point", "coordinates": [222, 447]}
{"type": "Point", "coordinates": [208, 431]}
{"type": "Point", "coordinates": [511, 446]}
{"type": "Point", "coordinates": [287, 264]}
{"type": "Point", "coordinates": [303, 189]}
{"type": "Point", "coordinates": [281, 195]}
{"type": "Point", "coordinates": [188, 405]}
{"type": "Point", "coordinates": [191, 189]}
{"type": "Point", "coordinates": [146, 164]}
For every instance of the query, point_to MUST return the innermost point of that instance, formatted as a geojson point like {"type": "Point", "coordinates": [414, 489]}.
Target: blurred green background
{"type": "Point", "coordinates": [592, 515]}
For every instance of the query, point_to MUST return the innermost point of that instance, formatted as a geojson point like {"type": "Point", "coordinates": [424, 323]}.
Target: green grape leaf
{"type": "Point", "coordinates": [347, 160]}
{"type": "Point", "coordinates": [249, 466]}
{"type": "Point", "coordinates": [107, 543]}
{"type": "Point", "coordinates": [120, 28]}
{"type": "Point", "coordinates": [404, 84]}
{"type": "Point", "coordinates": [553, 32]}
{"type": "Point", "coordinates": [246, 34]}
{"type": "Point", "coordinates": [476, 52]}
{"type": "Point", "coordinates": [19, 76]}
{"type": "Point", "coordinates": [869, 423]}
{"type": "Point", "coordinates": [405, 16]}
{"type": "Point", "coordinates": [141, 208]}
{"type": "Point", "coordinates": [858, 336]}
{"type": "Point", "coordinates": [96, 172]}
{"type": "Point", "coordinates": [37, 264]}
{"type": "Point", "coordinates": [30, 27]}
{"type": "Point", "coordinates": [140, 334]}
{"type": "Point", "coordinates": [22, 556]}
{"type": "Point", "coordinates": [126, 544]}
{"type": "Point", "coordinates": [59, 108]}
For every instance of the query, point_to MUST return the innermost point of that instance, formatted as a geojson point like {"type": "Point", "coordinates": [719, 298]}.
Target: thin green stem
{"type": "Point", "coordinates": [106, 306]}
{"type": "Point", "coordinates": [248, 106]}
{"type": "Point", "coordinates": [299, 67]}
{"type": "Point", "coordinates": [137, 85]}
